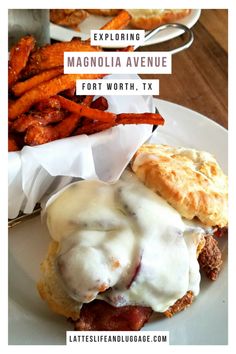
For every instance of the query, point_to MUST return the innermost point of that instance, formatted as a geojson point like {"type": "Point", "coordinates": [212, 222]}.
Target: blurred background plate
{"type": "Point", "coordinates": [60, 33]}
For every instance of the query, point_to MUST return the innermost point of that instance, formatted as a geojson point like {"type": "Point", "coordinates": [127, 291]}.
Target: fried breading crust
{"type": "Point", "coordinates": [210, 259]}
{"type": "Point", "coordinates": [180, 304]}
{"type": "Point", "coordinates": [68, 17]}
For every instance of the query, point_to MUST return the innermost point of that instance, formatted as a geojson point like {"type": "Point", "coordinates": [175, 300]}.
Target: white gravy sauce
{"type": "Point", "coordinates": [125, 239]}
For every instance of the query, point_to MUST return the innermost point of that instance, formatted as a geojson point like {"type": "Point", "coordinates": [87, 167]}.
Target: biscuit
{"type": "Point", "coordinates": [149, 19]}
{"type": "Point", "coordinates": [51, 289]}
{"type": "Point", "coordinates": [191, 181]}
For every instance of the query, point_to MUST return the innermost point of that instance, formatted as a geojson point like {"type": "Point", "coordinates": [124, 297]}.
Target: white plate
{"type": "Point", "coordinates": [205, 322]}
{"type": "Point", "coordinates": [60, 33]}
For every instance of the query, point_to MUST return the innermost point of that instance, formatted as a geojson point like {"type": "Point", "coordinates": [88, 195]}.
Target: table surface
{"type": "Point", "coordinates": [199, 78]}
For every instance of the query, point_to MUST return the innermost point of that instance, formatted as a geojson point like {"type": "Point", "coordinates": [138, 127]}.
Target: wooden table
{"type": "Point", "coordinates": [199, 78]}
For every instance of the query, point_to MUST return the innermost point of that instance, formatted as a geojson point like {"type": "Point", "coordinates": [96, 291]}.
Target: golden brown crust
{"type": "Point", "coordinates": [210, 258]}
{"type": "Point", "coordinates": [180, 304]}
{"type": "Point", "coordinates": [152, 18]}
{"type": "Point", "coordinates": [191, 181]}
{"type": "Point", "coordinates": [68, 17]}
{"type": "Point", "coordinates": [51, 288]}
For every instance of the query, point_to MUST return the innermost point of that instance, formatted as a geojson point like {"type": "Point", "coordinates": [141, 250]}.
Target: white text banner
{"type": "Point", "coordinates": [95, 339]}
{"type": "Point", "coordinates": [113, 38]}
{"type": "Point", "coordinates": [117, 62]}
{"type": "Point", "coordinates": [117, 87]}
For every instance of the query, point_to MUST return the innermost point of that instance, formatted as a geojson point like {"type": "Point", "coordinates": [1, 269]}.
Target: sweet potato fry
{"type": "Point", "coordinates": [21, 87]}
{"type": "Point", "coordinates": [19, 55]}
{"type": "Point", "coordinates": [88, 112]}
{"type": "Point", "coordinates": [10, 102]}
{"type": "Point", "coordinates": [51, 102]}
{"type": "Point", "coordinates": [93, 127]}
{"type": "Point", "coordinates": [118, 22]}
{"type": "Point", "coordinates": [51, 56]}
{"type": "Point", "coordinates": [124, 118]}
{"type": "Point", "coordinates": [37, 135]}
{"type": "Point", "coordinates": [100, 103]}
{"type": "Point", "coordinates": [44, 91]}
{"type": "Point", "coordinates": [70, 93]}
{"type": "Point", "coordinates": [139, 118]}
{"type": "Point", "coordinates": [12, 143]}
{"type": "Point", "coordinates": [130, 48]}
{"type": "Point", "coordinates": [88, 100]}
{"type": "Point", "coordinates": [24, 121]}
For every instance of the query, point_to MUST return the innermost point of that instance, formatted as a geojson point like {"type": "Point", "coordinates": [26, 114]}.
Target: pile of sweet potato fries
{"type": "Point", "coordinates": [43, 105]}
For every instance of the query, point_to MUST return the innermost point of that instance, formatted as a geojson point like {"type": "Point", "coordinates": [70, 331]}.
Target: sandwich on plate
{"type": "Point", "coordinates": [125, 250]}
{"type": "Point", "coordinates": [146, 19]}
{"type": "Point", "coordinates": [149, 19]}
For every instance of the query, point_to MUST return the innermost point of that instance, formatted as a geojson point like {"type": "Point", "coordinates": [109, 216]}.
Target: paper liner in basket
{"type": "Point", "coordinates": [37, 171]}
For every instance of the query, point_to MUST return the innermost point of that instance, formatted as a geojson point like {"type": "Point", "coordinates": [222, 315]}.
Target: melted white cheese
{"type": "Point", "coordinates": [125, 238]}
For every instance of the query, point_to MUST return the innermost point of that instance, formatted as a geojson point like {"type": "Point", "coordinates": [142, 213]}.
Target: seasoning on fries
{"type": "Point", "coordinates": [141, 118]}
{"type": "Point", "coordinates": [88, 112]}
{"type": "Point", "coordinates": [19, 55]}
{"type": "Point", "coordinates": [46, 90]}
{"type": "Point", "coordinates": [52, 56]}
{"type": "Point", "coordinates": [37, 134]}
{"type": "Point", "coordinates": [21, 87]}
{"type": "Point", "coordinates": [43, 118]}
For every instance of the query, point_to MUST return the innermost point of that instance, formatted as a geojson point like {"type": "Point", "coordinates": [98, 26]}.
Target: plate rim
{"type": "Point", "coordinates": [209, 120]}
